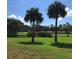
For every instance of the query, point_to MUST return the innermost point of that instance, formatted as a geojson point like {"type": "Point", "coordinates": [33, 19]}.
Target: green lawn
{"type": "Point", "coordinates": [46, 50]}
{"type": "Point", "coordinates": [22, 33]}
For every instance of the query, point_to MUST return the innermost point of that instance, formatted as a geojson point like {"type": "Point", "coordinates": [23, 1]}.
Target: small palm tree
{"type": "Point", "coordinates": [34, 16]}
{"type": "Point", "coordinates": [56, 10]}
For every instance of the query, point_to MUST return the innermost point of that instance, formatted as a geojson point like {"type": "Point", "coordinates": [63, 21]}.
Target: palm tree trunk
{"type": "Point", "coordinates": [37, 28]}
{"type": "Point", "coordinates": [56, 30]}
{"type": "Point", "coordinates": [33, 32]}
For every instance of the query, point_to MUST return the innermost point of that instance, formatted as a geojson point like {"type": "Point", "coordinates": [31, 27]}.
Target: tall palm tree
{"type": "Point", "coordinates": [56, 10]}
{"type": "Point", "coordinates": [34, 16]}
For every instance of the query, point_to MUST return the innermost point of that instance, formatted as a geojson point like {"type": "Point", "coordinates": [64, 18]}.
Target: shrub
{"type": "Point", "coordinates": [40, 34]}
{"type": "Point", "coordinates": [12, 35]}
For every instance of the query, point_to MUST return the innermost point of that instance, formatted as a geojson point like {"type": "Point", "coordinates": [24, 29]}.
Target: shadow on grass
{"type": "Point", "coordinates": [31, 43]}
{"type": "Point", "coordinates": [62, 45]}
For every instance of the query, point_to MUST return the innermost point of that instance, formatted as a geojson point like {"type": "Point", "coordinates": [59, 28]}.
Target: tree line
{"type": "Point", "coordinates": [14, 26]}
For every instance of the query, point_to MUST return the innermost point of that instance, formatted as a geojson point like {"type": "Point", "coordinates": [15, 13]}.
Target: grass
{"type": "Point", "coordinates": [21, 33]}
{"type": "Point", "coordinates": [46, 50]}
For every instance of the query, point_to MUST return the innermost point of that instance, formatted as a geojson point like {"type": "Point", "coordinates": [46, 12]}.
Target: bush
{"type": "Point", "coordinates": [40, 34]}
{"type": "Point", "coordinates": [12, 35]}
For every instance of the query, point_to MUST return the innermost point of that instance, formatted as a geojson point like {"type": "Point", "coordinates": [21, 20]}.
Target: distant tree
{"type": "Point", "coordinates": [60, 28]}
{"type": "Point", "coordinates": [67, 28]}
{"type": "Point", "coordinates": [34, 16]}
{"type": "Point", "coordinates": [13, 26]}
{"type": "Point", "coordinates": [52, 27]}
{"type": "Point", "coordinates": [56, 10]}
{"type": "Point", "coordinates": [26, 28]}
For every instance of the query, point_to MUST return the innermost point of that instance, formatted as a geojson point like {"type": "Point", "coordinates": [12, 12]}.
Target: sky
{"type": "Point", "coordinates": [17, 9]}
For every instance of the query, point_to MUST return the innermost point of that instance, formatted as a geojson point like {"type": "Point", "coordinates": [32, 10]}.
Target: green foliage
{"type": "Point", "coordinates": [67, 28]}
{"type": "Point", "coordinates": [56, 10]}
{"type": "Point", "coordinates": [40, 34]}
{"type": "Point", "coordinates": [13, 26]}
{"type": "Point", "coordinates": [12, 35]}
{"type": "Point", "coordinates": [33, 15]}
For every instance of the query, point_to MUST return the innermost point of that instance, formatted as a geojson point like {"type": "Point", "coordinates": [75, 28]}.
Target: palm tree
{"type": "Point", "coordinates": [34, 16]}
{"type": "Point", "coordinates": [56, 10]}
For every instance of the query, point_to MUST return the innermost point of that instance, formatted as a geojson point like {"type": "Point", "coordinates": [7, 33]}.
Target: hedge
{"type": "Point", "coordinates": [39, 34]}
